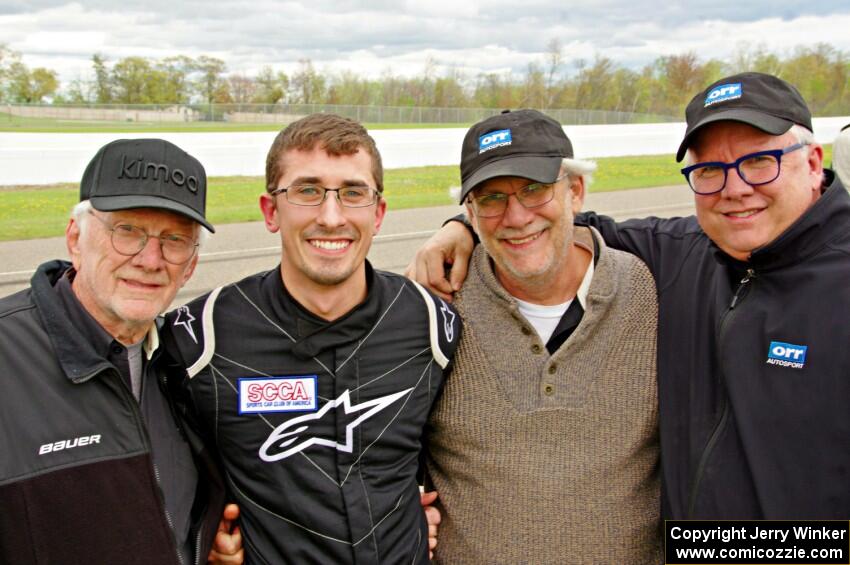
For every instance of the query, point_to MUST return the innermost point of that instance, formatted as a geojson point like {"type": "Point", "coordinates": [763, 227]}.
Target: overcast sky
{"type": "Point", "coordinates": [371, 38]}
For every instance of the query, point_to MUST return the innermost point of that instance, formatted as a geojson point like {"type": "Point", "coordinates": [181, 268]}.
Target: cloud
{"type": "Point", "coordinates": [373, 37]}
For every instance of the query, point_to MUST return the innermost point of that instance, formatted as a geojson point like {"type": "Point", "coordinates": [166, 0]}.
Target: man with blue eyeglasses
{"type": "Point", "coordinates": [753, 356]}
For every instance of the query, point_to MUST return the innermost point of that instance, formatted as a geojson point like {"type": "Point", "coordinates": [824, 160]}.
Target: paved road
{"type": "Point", "coordinates": [237, 250]}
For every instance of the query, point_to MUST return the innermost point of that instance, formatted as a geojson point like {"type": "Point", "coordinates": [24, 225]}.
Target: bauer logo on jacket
{"type": "Point", "coordinates": [259, 395]}
{"type": "Point", "coordinates": [786, 354]}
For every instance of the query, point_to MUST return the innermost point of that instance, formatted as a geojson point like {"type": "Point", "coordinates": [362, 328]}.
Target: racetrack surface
{"type": "Point", "coordinates": [238, 250]}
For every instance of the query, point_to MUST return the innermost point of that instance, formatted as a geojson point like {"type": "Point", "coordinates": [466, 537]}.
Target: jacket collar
{"type": "Point", "coordinates": [591, 289]}
{"type": "Point", "coordinates": [313, 334]}
{"type": "Point", "coordinates": [817, 227]}
{"type": "Point", "coordinates": [74, 349]}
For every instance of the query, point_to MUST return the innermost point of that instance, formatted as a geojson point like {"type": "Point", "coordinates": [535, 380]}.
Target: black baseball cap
{"type": "Point", "coordinates": [522, 143]}
{"type": "Point", "coordinates": [763, 101]}
{"type": "Point", "coordinates": [146, 173]}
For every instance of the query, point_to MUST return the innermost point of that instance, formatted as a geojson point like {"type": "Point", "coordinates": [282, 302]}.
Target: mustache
{"type": "Point", "coordinates": [515, 233]}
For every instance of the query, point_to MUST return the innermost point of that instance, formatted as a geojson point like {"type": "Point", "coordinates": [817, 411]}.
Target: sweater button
{"type": "Point", "coordinates": [549, 389]}
{"type": "Point", "coordinates": [536, 348]}
{"type": "Point", "coordinates": [552, 369]}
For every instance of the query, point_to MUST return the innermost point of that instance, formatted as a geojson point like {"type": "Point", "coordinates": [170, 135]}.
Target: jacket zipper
{"type": "Point", "coordinates": [724, 416]}
{"type": "Point", "coordinates": [168, 515]}
{"type": "Point", "coordinates": [199, 534]}
{"type": "Point", "coordinates": [137, 410]}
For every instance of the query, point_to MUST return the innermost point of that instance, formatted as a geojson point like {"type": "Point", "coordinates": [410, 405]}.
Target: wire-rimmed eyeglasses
{"type": "Point", "coordinates": [494, 204]}
{"type": "Point", "coordinates": [354, 196]}
{"type": "Point", "coordinates": [129, 240]}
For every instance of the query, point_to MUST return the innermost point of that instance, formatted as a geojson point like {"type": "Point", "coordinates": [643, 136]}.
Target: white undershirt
{"type": "Point", "coordinates": [544, 319]}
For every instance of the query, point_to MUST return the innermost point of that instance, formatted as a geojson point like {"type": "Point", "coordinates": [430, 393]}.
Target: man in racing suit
{"type": "Point", "coordinates": [753, 356]}
{"type": "Point", "coordinates": [316, 378]}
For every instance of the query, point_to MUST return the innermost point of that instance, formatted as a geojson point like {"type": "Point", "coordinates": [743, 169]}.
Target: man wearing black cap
{"type": "Point", "coordinates": [551, 407]}
{"type": "Point", "coordinates": [95, 466]}
{"type": "Point", "coordinates": [753, 297]}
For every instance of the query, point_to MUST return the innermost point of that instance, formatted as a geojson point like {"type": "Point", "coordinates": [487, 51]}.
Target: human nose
{"type": "Point", "coordinates": [736, 186]}
{"type": "Point", "coordinates": [330, 210]}
{"type": "Point", "coordinates": [515, 213]}
{"type": "Point", "coordinates": [150, 257]}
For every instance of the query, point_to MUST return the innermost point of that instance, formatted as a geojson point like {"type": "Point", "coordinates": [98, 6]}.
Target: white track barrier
{"type": "Point", "coordinates": [44, 158]}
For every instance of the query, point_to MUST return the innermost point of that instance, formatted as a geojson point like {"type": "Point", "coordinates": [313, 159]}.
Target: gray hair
{"type": "Point", "coordinates": [800, 133]}
{"type": "Point", "coordinates": [579, 168]}
{"type": "Point", "coordinates": [575, 168]}
{"type": "Point", "coordinates": [80, 214]}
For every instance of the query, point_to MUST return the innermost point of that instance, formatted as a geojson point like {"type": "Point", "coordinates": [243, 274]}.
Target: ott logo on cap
{"type": "Point", "coordinates": [723, 93]}
{"type": "Point", "coordinates": [493, 140]}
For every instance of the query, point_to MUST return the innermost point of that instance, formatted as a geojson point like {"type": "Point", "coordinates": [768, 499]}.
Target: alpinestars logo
{"type": "Point", "coordinates": [289, 434]}
{"type": "Point", "coordinates": [185, 318]}
{"type": "Point", "coordinates": [448, 321]}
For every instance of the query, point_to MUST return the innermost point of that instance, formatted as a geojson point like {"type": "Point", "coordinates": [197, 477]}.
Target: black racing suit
{"type": "Point", "coordinates": [319, 423]}
{"type": "Point", "coordinates": [753, 365]}
{"type": "Point", "coordinates": [83, 466]}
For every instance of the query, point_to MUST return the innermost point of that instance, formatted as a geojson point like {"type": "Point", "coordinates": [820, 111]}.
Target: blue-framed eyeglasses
{"type": "Point", "coordinates": [754, 169]}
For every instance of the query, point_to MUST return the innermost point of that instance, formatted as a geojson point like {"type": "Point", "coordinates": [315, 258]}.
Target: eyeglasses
{"type": "Point", "coordinates": [532, 195]}
{"type": "Point", "coordinates": [129, 240]}
{"type": "Point", "coordinates": [754, 169]}
{"type": "Point", "coordinates": [313, 195]}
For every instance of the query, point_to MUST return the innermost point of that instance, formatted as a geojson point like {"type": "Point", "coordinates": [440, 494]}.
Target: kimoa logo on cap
{"type": "Point", "coordinates": [723, 92]}
{"type": "Point", "coordinates": [493, 140]}
{"type": "Point", "coordinates": [140, 169]}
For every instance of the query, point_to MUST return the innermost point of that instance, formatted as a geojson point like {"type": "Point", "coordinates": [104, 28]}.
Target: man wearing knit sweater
{"type": "Point", "coordinates": [544, 445]}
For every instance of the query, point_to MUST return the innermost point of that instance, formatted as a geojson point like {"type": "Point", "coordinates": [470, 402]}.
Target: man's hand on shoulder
{"type": "Point", "coordinates": [451, 245]}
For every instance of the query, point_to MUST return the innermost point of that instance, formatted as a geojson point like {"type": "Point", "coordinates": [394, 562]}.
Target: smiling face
{"type": "Point", "coordinates": [742, 218]}
{"type": "Point", "coordinates": [530, 247]}
{"type": "Point", "coordinates": [323, 246]}
{"type": "Point", "coordinates": [125, 294]}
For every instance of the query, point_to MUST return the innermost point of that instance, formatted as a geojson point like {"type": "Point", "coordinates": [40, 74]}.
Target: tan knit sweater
{"type": "Point", "coordinates": [541, 459]}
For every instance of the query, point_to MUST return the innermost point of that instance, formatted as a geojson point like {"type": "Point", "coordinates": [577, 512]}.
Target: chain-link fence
{"type": "Point", "coordinates": [285, 113]}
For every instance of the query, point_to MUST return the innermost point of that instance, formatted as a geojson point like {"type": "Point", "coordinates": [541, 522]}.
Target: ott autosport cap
{"type": "Point", "coordinates": [146, 173]}
{"type": "Point", "coordinates": [763, 101]}
{"type": "Point", "coordinates": [524, 143]}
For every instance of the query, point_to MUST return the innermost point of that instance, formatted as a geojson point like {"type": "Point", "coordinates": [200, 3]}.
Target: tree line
{"type": "Point", "coordinates": [663, 87]}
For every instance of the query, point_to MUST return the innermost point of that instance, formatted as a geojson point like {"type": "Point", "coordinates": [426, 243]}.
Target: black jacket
{"type": "Point", "coordinates": [753, 365]}
{"type": "Point", "coordinates": [319, 424]}
{"type": "Point", "coordinates": [77, 481]}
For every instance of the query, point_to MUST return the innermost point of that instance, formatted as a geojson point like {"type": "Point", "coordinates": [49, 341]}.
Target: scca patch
{"type": "Point", "coordinates": [786, 354]}
{"type": "Point", "coordinates": [259, 395]}
{"type": "Point", "coordinates": [493, 140]}
{"type": "Point", "coordinates": [723, 93]}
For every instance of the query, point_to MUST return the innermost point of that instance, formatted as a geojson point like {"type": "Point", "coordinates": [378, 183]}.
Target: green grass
{"type": "Point", "coordinates": [9, 123]}
{"type": "Point", "coordinates": [42, 211]}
